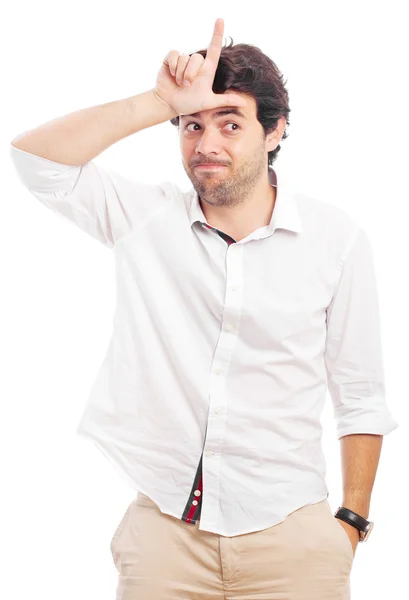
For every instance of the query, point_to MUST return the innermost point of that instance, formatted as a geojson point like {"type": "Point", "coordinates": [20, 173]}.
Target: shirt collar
{"type": "Point", "coordinates": [285, 214]}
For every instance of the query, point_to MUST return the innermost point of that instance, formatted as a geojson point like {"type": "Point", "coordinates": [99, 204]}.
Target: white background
{"type": "Point", "coordinates": [346, 71]}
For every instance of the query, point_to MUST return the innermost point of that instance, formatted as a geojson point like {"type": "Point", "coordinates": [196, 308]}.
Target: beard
{"type": "Point", "coordinates": [222, 188]}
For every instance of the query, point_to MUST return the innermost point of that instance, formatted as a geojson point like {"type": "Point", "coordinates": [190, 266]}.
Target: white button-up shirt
{"type": "Point", "coordinates": [209, 397]}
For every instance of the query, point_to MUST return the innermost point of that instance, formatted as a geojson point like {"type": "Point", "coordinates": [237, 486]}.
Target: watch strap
{"type": "Point", "coordinates": [351, 517]}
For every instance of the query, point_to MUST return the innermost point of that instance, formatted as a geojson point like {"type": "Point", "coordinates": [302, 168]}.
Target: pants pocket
{"type": "Point", "coordinates": [345, 536]}
{"type": "Point", "coordinates": [120, 527]}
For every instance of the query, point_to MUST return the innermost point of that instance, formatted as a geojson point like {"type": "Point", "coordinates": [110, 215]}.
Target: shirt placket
{"type": "Point", "coordinates": [193, 507]}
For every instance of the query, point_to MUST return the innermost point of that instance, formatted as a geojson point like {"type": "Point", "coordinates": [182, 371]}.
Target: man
{"type": "Point", "coordinates": [238, 302]}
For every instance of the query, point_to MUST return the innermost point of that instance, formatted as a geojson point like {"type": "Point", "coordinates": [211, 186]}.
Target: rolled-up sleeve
{"type": "Point", "coordinates": [100, 201]}
{"type": "Point", "coordinates": [353, 353]}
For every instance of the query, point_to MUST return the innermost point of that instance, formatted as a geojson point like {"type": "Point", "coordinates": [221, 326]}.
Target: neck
{"type": "Point", "coordinates": [241, 220]}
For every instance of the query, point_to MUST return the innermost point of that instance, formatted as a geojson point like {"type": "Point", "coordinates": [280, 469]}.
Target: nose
{"type": "Point", "coordinates": [208, 144]}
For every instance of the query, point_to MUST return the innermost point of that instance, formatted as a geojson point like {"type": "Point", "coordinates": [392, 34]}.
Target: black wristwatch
{"type": "Point", "coordinates": [349, 516]}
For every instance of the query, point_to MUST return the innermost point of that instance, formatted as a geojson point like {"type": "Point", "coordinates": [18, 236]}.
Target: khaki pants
{"type": "Point", "coordinates": [308, 556]}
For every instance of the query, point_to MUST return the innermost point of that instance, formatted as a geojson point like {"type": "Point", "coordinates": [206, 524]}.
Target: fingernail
{"type": "Point", "coordinates": [186, 82]}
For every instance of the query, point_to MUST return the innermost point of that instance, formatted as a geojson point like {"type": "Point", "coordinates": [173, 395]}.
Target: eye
{"type": "Point", "coordinates": [235, 125]}
{"type": "Point", "coordinates": [189, 125]}
{"type": "Point", "coordinates": [192, 123]}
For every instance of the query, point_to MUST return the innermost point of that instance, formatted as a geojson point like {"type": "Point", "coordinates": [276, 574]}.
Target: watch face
{"type": "Point", "coordinates": [367, 533]}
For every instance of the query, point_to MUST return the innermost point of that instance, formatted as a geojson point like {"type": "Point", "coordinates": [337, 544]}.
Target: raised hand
{"type": "Point", "coordinates": [200, 73]}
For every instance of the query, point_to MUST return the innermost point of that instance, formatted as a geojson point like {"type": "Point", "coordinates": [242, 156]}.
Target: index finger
{"type": "Point", "coordinates": [215, 47]}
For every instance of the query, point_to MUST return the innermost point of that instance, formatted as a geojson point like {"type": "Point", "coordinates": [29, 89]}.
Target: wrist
{"type": "Point", "coordinates": [356, 520]}
{"type": "Point", "coordinates": [357, 502]}
{"type": "Point", "coordinates": [165, 109]}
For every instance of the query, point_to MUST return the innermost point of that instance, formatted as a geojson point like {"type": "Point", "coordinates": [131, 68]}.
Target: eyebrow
{"type": "Point", "coordinates": [220, 113]}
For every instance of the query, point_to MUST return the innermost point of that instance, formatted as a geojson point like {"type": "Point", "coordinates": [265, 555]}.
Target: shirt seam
{"type": "Point", "coordinates": [341, 263]}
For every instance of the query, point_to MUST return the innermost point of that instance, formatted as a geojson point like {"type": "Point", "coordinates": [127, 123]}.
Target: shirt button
{"type": "Point", "coordinates": [197, 492]}
{"type": "Point", "coordinates": [209, 454]}
{"type": "Point", "coordinates": [195, 502]}
{"type": "Point", "coordinates": [230, 327]}
{"type": "Point", "coordinates": [218, 409]}
{"type": "Point", "coordinates": [218, 371]}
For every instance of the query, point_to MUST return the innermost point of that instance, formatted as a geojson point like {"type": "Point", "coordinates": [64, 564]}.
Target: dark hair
{"type": "Point", "coordinates": [246, 69]}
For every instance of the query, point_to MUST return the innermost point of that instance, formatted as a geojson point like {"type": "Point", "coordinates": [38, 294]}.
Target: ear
{"type": "Point", "coordinates": [274, 138]}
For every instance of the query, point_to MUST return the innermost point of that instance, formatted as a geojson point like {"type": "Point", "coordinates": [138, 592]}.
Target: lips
{"type": "Point", "coordinates": [214, 166]}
